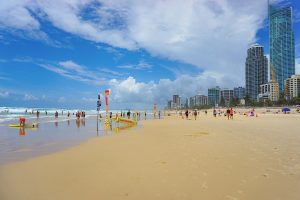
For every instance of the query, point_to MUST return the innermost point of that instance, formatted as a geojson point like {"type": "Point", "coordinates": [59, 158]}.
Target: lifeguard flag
{"type": "Point", "coordinates": [107, 92]}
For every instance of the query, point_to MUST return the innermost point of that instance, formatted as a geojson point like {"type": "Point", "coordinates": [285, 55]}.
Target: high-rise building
{"type": "Point", "coordinates": [292, 86]}
{"type": "Point", "coordinates": [192, 102]}
{"type": "Point", "coordinates": [227, 95]}
{"type": "Point", "coordinates": [201, 100]}
{"type": "Point", "coordinates": [256, 70]}
{"type": "Point", "coordinates": [269, 91]}
{"type": "Point", "coordinates": [176, 102]}
{"type": "Point", "coordinates": [170, 103]}
{"type": "Point", "coordinates": [239, 92]}
{"type": "Point", "coordinates": [282, 43]}
{"type": "Point", "coordinates": [214, 96]}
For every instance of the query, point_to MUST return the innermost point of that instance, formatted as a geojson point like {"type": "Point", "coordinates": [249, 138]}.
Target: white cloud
{"type": "Point", "coordinates": [29, 97]}
{"type": "Point", "coordinates": [4, 94]}
{"type": "Point", "coordinates": [132, 92]}
{"type": "Point", "coordinates": [112, 72]}
{"type": "Point", "coordinates": [211, 34]}
{"type": "Point", "coordinates": [142, 65]}
{"type": "Point", "coordinates": [15, 14]}
{"type": "Point", "coordinates": [74, 71]}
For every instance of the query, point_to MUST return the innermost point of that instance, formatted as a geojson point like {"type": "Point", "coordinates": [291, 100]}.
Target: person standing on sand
{"type": "Point", "coordinates": [158, 114]}
{"type": "Point", "coordinates": [187, 114]}
{"type": "Point", "coordinates": [231, 113]}
{"type": "Point", "coordinates": [228, 113]}
{"type": "Point", "coordinates": [215, 113]}
{"type": "Point", "coordinates": [195, 114]}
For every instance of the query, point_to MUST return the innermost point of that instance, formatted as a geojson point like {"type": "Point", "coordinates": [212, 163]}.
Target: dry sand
{"type": "Point", "coordinates": [211, 158]}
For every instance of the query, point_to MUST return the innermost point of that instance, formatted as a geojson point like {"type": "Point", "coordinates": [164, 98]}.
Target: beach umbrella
{"type": "Point", "coordinates": [286, 110]}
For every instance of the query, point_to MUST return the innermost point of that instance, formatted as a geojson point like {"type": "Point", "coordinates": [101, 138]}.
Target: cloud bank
{"type": "Point", "coordinates": [212, 35]}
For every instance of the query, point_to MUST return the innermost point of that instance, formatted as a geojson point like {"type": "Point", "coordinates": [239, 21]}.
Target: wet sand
{"type": "Point", "coordinates": [210, 158]}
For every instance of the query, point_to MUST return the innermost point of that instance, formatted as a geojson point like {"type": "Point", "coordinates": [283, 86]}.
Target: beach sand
{"type": "Point", "coordinates": [211, 158]}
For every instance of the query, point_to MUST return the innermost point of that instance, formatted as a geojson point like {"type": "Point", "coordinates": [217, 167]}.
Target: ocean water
{"type": "Point", "coordinates": [53, 134]}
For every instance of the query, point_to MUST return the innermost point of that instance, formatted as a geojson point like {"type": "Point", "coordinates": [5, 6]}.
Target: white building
{"type": "Point", "coordinates": [201, 100]}
{"type": "Point", "coordinates": [292, 86]}
{"type": "Point", "coordinates": [269, 91]}
{"type": "Point", "coordinates": [227, 95]}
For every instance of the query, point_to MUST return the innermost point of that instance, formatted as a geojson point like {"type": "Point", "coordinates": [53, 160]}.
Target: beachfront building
{"type": "Point", "coordinates": [227, 95]}
{"type": "Point", "coordinates": [192, 102]}
{"type": "Point", "coordinates": [239, 92]}
{"type": "Point", "coordinates": [201, 100]}
{"type": "Point", "coordinates": [170, 104]}
{"type": "Point", "coordinates": [214, 96]}
{"type": "Point", "coordinates": [256, 70]}
{"type": "Point", "coordinates": [282, 44]}
{"type": "Point", "coordinates": [269, 91]}
{"type": "Point", "coordinates": [198, 101]}
{"type": "Point", "coordinates": [176, 101]}
{"type": "Point", "coordinates": [292, 86]}
{"type": "Point", "coordinates": [186, 103]}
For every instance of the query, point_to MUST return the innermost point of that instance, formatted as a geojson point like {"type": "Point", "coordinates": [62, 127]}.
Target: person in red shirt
{"type": "Point", "coordinates": [22, 121]}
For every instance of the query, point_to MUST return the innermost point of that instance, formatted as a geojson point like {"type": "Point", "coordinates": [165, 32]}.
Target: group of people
{"type": "Point", "coordinates": [135, 115]}
{"type": "Point", "coordinates": [79, 114]}
{"type": "Point", "coordinates": [187, 113]}
{"type": "Point", "coordinates": [229, 113]}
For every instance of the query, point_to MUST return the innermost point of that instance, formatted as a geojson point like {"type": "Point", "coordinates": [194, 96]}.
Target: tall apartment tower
{"type": "Point", "coordinates": [214, 96]}
{"type": "Point", "coordinates": [282, 43]}
{"type": "Point", "coordinates": [176, 101]}
{"type": "Point", "coordinates": [256, 70]}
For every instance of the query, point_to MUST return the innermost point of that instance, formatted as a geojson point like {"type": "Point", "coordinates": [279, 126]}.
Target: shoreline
{"type": "Point", "coordinates": [244, 158]}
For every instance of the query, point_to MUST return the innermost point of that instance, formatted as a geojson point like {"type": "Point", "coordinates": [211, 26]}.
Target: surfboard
{"type": "Point", "coordinates": [25, 126]}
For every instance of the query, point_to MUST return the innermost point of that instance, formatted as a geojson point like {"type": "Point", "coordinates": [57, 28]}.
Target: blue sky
{"type": "Point", "coordinates": [63, 53]}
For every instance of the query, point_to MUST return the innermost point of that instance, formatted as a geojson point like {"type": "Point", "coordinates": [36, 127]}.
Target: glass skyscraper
{"type": "Point", "coordinates": [256, 70]}
{"type": "Point", "coordinates": [214, 96]}
{"type": "Point", "coordinates": [282, 44]}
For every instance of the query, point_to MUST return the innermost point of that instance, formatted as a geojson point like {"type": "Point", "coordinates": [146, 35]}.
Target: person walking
{"type": "Point", "coordinates": [228, 113]}
{"type": "Point", "coordinates": [231, 113]}
{"type": "Point", "coordinates": [215, 113]}
{"type": "Point", "coordinates": [195, 114]}
{"type": "Point", "coordinates": [187, 114]}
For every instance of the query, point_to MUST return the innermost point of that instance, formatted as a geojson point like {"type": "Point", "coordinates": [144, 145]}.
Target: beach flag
{"type": "Point", "coordinates": [106, 99]}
